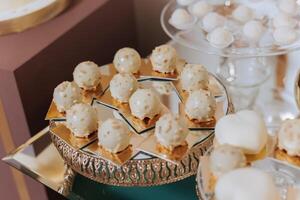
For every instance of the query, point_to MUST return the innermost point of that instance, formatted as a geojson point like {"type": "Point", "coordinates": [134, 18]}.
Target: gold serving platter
{"type": "Point", "coordinates": [30, 15]}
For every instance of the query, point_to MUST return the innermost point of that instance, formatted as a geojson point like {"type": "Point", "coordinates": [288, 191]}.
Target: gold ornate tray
{"type": "Point", "coordinates": [30, 15]}
{"type": "Point", "coordinates": [142, 169]}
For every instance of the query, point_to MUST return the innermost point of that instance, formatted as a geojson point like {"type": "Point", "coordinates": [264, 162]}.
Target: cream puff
{"type": "Point", "coordinates": [122, 86]}
{"type": "Point", "coordinates": [127, 60]}
{"type": "Point", "coordinates": [82, 120]}
{"type": "Point", "coordinates": [220, 38]}
{"type": "Point", "coordinates": [181, 19]}
{"type": "Point", "coordinates": [113, 135]}
{"type": "Point", "coordinates": [242, 14]}
{"type": "Point", "coordinates": [246, 184]}
{"type": "Point", "coordinates": [144, 104]}
{"type": "Point", "coordinates": [200, 107]}
{"type": "Point", "coordinates": [87, 75]}
{"type": "Point", "coordinates": [289, 7]}
{"type": "Point", "coordinates": [164, 59]}
{"type": "Point", "coordinates": [171, 132]}
{"type": "Point", "coordinates": [200, 8]}
{"type": "Point", "coordinates": [194, 77]}
{"type": "Point", "coordinates": [212, 20]}
{"type": "Point", "coordinates": [253, 30]}
{"type": "Point", "coordinates": [66, 95]}
{"type": "Point", "coordinates": [289, 142]}
{"type": "Point", "coordinates": [284, 20]}
{"type": "Point", "coordinates": [225, 158]}
{"type": "Point", "coordinates": [245, 130]}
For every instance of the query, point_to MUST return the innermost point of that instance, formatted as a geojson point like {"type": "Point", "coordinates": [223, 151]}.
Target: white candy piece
{"type": "Point", "coordinates": [225, 158]}
{"type": "Point", "coordinates": [284, 20]}
{"type": "Point", "coordinates": [164, 59]}
{"type": "Point", "coordinates": [284, 35]}
{"type": "Point", "coordinates": [122, 86]}
{"type": "Point", "coordinates": [289, 137]}
{"type": "Point", "coordinates": [87, 75]}
{"type": "Point", "coordinates": [82, 120]}
{"type": "Point", "coordinates": [253, 30]}
{"type": "Point", "coordinates": [185, 2]}
{"type": "Point", "coordinates": [246, 184]}
{"type": "Point", "coordinates": [200, 105]}
{"type": "Point", "coordinates": [144, 103]}
{"type": "Point", "coordinates": [242, 14]}
{"type": "Point", "coordinates": [127, 60]}
{"type": "Point", "coordinates": [181, 19]}
{"type": "Point", "coordinates": [220, 38]}
{"type": "Point", "coordinates": [194, 77]}
{"type": "Point", "coordinates": [200, 9]}
{"type": "Point", "coordinates": [288, 6]}
{"type": "Point", "coordinates": [245, 129]}
{"type": "Point", "coordinates": [66, 95]}
{"type": "Point", "coordinates": [114, 135]}
{"type": "Point", "coordinates": [212, 20]}
{"type": "Point", "coordinates": [170, 131]}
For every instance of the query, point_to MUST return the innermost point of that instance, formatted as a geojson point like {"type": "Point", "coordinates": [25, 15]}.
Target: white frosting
{"type": "Point", "coordinates": [87, 75]}
{"type": "Point", "coordinates": [122, 86]}
{"type": "Point", "coordinates": [114, 135]}
{"type": "Point", "coordinates": [246, 184]}
{"type": "Point", "coordinates": [200, 8]}
{"type": "Point", "coordinates": [170, 130]}
{"type": "Point", "coordinates": [243, 14]}
{"type": "Point", "coordinates": [81, 119]}
{"type": "Point", "coordinates": [127, 60]}
{"type": "Point", "coordinates": [289, 7]}
{"type": "Point", "coordinates": [180, 18]}
{"type": "Point", "coordinates": [245, 129]}
{"type": "Point", "coordinates": [289, 137]}
{"type": "Point", "coordinates": [200, 105]}
{"type": "Point", "coordinates": [65, 95]}
{"type": "Point", "coordinates": [185, 2]}
{"type": "Point", "coordinates": [284, 35]}
{"type": "Point", "coordinates": [253, 30]}
{"type": "Point", "coordinates": [225, 158]}
{"type": "Point", "coordinates": [212, 20]}
{"type": "Point", "coordinates": [220, 38]}
{"type": "Point", "coordinates": [194, 77]}
{"type": "Point", "coordinates": [164, 58]}
{"type": "Point", "coordinates": [144, 103]}
{"type": "Point", "coordinates": [284, 20]}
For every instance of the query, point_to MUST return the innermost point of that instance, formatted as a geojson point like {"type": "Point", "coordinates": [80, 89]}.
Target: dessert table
{"type": "Point", "coordinates": [40, 167]}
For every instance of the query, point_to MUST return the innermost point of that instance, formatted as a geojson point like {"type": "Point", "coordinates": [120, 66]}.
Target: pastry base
{"type": "Point", "coordinates": [165, 75]}
{"type": "Point", "coordinates": [119, 157]}
{"type": "Point", "coordinates": [253, 157]}
{"type": "Point", "coordinates": [175, 153]}
{"type": "Point", "coordinates": [207, 123]}
{"type": "Point", "coordinates": [89, 95]}
{"type": "Point", "coordinates": [146, 122]}
{"type": "Point", "coordinates": [283, 156]}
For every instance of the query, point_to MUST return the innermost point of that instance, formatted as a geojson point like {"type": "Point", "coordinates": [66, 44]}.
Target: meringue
{"type": "Point", "coordinates": [185, 2]}
{"type": "Point", "coordinates": [242, 14]}
{"type": "Point", "coordinates": [225, 158]}
{"type": "Point", "coordinates": [246, 184]}
{"type": "Point", "coordinates": [180, 19]}
{"type": "Point", "coordinates": [87, 75]}
{"type": "Point", "coordinates": [127, 60]}
{"type": "Point", "coordinates": [164, 59]}
{"type": "Point", "coordinates": [245, 129]}
{"type": "Point", "coordinates": [220, 38]}
{"type": "Point", "coordinates": [289, 137]}
{"type": "Point", "coordinates": [66, 95]}
{"type": "Point", "coordinates": [284, 20]}
{"type": "Point", "coordinates": [253, 30]}
{"type": "Point", "coordinates": [194, 77]}
{"type": "Point", "coordinates": [82, 120]}
{"type": "Point", "coordinates": [114, 135]}
{"type": "Point", "coordinates": [200, 105]}
{"type": "Point", "coordinates": [122, 86]}
{"type": "Point", "coordinates": [288, 6]}
{"type": "Point", "coordinates": [284, 35]}
{"type": "Point", "coordinates": [212, 20]}
{"type": "Point", "coordinates": [170, 130]}
{"type": "Point", "coordinates": [200, 9]}
{"type": "Point", "coordinates": [144, 103]}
